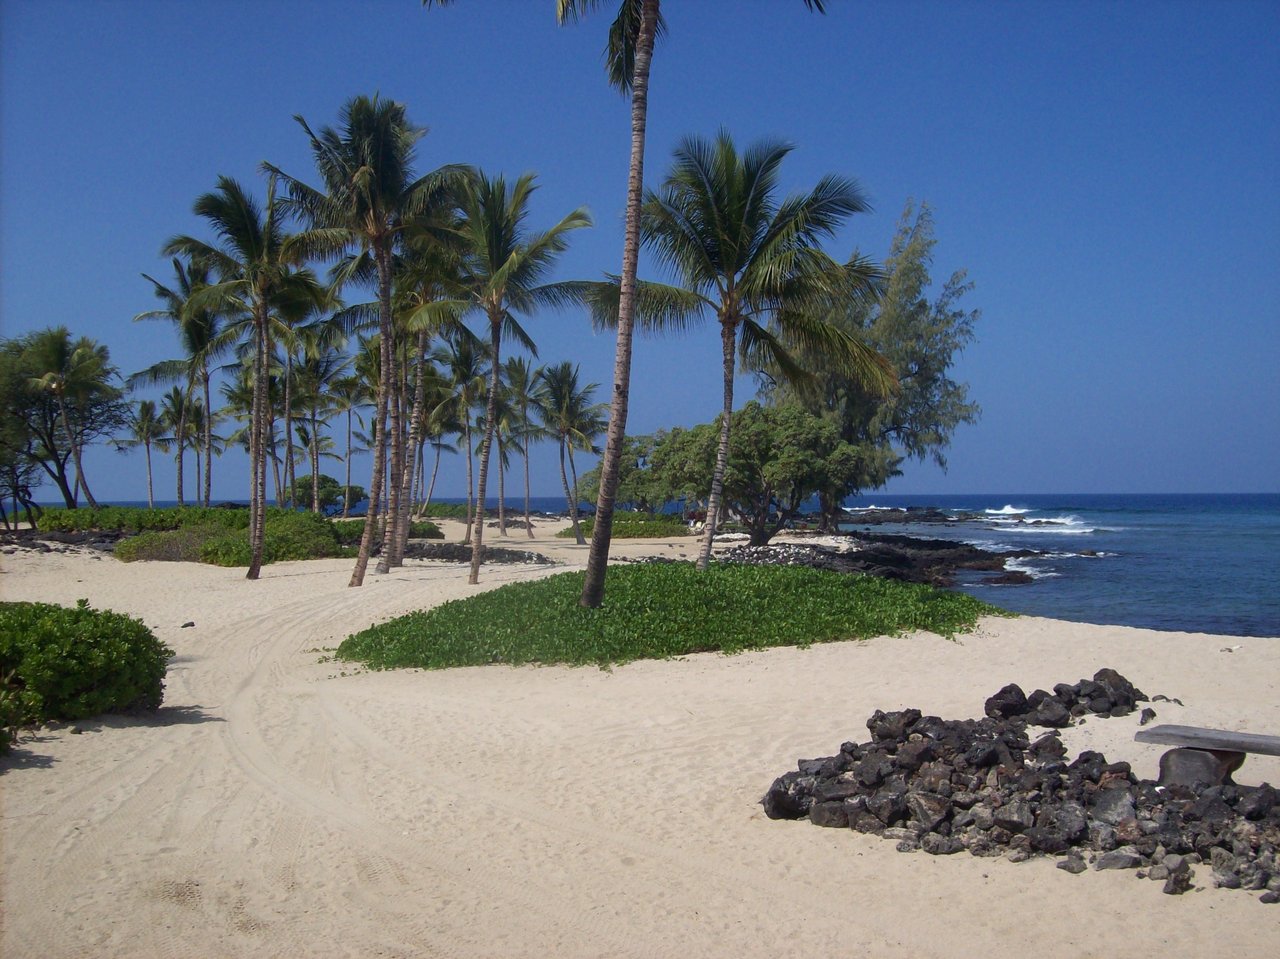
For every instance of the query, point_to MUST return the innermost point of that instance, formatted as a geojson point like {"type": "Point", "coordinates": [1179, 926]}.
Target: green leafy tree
{"type": "Point", "coordinates": [58, 396]}
{"type": "Point", "coordinates": [637, 486]}
{"type": "Point", "coordinates": [922, 339]}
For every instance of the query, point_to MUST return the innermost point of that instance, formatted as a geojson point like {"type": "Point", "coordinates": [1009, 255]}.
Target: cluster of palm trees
{"type": "Point", "coordinates": [455, 241]}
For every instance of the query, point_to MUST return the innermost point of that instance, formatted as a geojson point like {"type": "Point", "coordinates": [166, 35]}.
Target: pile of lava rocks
{"type": "Point", "coordinates": [986, 787]}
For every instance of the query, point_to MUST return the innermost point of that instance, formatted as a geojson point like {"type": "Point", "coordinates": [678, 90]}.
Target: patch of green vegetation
{"type": "Point", "coordinates": [63, 663]}
{"type": "Point", "coordinates": [288, 535]}
{"type": "Point", "coordinates": [132, 519]}
{"type": "Point", "coordinates": [349, 531]}
{"type": "Point", "coordinates": [446, 511]}
{"type": "Point", "coordinates": [659, 610]}
{"type": "Point", "coordinates": [636, 526]}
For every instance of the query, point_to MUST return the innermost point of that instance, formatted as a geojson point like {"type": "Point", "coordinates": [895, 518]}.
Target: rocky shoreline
{"type": "Point", "coordinates": [937, 562]}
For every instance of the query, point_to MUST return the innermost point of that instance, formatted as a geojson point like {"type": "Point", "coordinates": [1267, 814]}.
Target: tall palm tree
{"type": "Point", "coordinates": [175, 417]}
{"type": "Point", "coordinates": [202, 338]}
{"type": "Point", "coordinates": [521, 381]}
{"type": "Point", "coordinates": [145, 430]}
{"type": "Point", "coordinates": [754, 263]}
{"type": "Point", "coordinates": [465, 366]}
{"type": "Point", "coordinates": [569, 415]}
{"type": "Point", "coordinates": [503, 268]}
{"type": "Point", "coordinates": [257, 266]}
{"type": "Point", "coordinates": [368, 192]}
{"type": "Point", "coordinates": [348, 394]}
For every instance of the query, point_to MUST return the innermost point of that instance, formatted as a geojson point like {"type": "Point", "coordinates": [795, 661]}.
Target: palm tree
{"type": "Point", "coordinates": [145, 430]}
{"type": "Point", "coordinates": [368, 193]}
{"type": "Point", "coordinates": [175, 417]}
{"type": "Point", "coordinates": [257, 267]}
{"type": "Point", "coordinates": [348, 394]}
{"type": "Point", "coordinates": [465, 367]}
{"type": "Point", "coordinates": [503, 267]}
{"type": "Point", "coordinates": [754, 263]}
{"type": "Point", "coordinates": [201, 338]}
{"type": "Point", "coordinates": [569, 415]}
{"type": "Point", "coordinates": [521, 380]}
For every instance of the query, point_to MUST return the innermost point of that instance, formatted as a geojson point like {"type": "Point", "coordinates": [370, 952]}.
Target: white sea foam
{"type": "Point", "coordinates": [1024, 566]}
{"type": "Point", "coordinates": [1009, 510]}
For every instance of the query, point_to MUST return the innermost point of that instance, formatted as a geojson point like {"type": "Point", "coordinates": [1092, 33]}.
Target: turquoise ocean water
{"type": "Point", "coordinates": [1196, 563]}
{"type": "Point", "coordinates": [1199, 563]}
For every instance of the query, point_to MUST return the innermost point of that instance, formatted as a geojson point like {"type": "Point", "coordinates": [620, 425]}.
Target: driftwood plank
{"type": "Point", "coordinates": [1197, 737]}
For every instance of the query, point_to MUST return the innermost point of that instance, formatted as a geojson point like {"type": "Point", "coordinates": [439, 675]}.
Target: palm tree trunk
{"type": "Point", "coordinates": [471, 514]}
{"type": "Point", "coordinates": [431, 487]}
{"type": "Point", "coordinates": [524, 448]}
{"type": "Point", "coordinates": [208, 440]}
{"type": "Point", "coordinates": [346, 492]}
{"type": "Point", "coordinates": [602, 532]}
{"type": "Point", "coordinates": [315, 462]}
{"type": "Point", "coordinates": [395, 428]}
{"type": "Point", "coordinates": [502, 494]}
{"type": "Point", "coordinates": [290, 474]}
{"type": "Point", "coordinates": [182, 449]}
{"type": "Point", "coordinates": [490, 431]}
{"type": "Point", "coordinates": [570, 499]}
{"type": "Point", "coordinates": [380, 446]}
{"type": "Point", "coordinates": [728, 339]}
{"type": "Point", "coordinates": [413, 446]}
{"type": "Point", "coordinates": [258, 447]}
{"type": "Point", "coordinates": [151, 500]}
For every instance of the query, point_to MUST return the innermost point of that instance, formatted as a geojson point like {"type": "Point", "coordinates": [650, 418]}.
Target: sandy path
{"type": "Point", "coordinates": [283, 806]}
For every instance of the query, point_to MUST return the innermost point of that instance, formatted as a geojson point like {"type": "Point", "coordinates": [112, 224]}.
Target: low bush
{"type": "Point", "coordinates": [288, 535]}
{"type": "Point", "coordinates": [349, 531]}
{"type": "Point", "coordinates": [131, 519]}
{"type": "Point", "coordinates": [446, 511]}
{"type": "Point", "coordinates": [636, 526]}
{"type": "Point", "coordinates": [653, 611]}
{"type": "Point", "coordinates": [71, 663]}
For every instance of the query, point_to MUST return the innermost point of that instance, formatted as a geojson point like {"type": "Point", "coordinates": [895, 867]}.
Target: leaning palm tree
{"type": "Point", "coordinates": [368, 192]}
{"type": "Point", "coordinates": [503, 268]}
{"type": "Point", "coordinates": [348, 394]}
{"type": "Point", "coordinates": [568, 414]}
{"type": "Point", "coordinates": [257, 267]}
{"type": "Point", "coordinates": [754, 263]}
{"type": "Point", "coordinates": [203, 340]}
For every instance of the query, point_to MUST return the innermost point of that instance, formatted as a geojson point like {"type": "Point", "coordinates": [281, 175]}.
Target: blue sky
{"type": "Point", "coordinates": [1105, 172]}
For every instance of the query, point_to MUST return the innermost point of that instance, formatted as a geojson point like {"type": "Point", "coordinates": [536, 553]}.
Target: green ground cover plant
{"type": "Point", "coordinates": [659, 610]}
{"type": "Point", "coordinates": [445, 510]}
{"type": "Point", "coordinates": [71, 663]}
{"type": "Point", "coordinates": [636, 526]}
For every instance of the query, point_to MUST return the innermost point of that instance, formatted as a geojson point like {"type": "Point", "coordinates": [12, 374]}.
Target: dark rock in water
{"type": "Point", "coordinates": [1010, 577]}
{"type": "Point", "coordinates": [1009, 701]}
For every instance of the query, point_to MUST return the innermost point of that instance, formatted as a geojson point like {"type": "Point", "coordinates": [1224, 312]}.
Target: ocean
{"type": "Point", "coordinates": [1195, 563]}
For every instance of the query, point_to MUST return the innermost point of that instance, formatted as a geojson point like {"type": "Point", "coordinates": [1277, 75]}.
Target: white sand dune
{"type": "Point", "coordinates": [284, 805]}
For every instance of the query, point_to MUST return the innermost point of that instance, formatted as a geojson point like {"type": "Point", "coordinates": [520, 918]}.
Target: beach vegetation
{"type": "Point", "coordinates": [134, 519]}
{"type": "Point", "coordinates": [349, 531]}
{"type": "Point", "coordinates": [331, 496]}
{"type": "Point", "coordinates": [58, 395]}
{"type": "Point", "coordinates": [633, 525]}
{"type": "Point", "coordinates": [61, 663]}
{"type": "Point", "coordinates": [660, 610]}
{"type": "Point", "coordinates": [288, 535]}
{"type": "Point", "coordinates": [922, 338]}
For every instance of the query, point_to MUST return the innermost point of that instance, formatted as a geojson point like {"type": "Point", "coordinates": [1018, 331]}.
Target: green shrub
{"type": "Point", "coordinates": [349, 531]}
{"type": "Point", "coordinates": [636, 526]}
{"type": "Point", "coordinates": [288, 535]}
{"type": "Point", "coordinates": [446, 510]}
{"type": "Point", "coordinates": [131, 519]}
{"type": "Point", "coordinates": [658, 610]}
{"type": "Point", "coordinates": [72, 663]}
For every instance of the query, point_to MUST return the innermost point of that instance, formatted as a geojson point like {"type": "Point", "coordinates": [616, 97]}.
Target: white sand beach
{"type": "Point", "coordinates": [282, 804]}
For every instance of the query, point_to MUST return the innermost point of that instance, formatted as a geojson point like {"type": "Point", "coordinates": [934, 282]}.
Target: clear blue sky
{"type": "Point", "coordinates": [1106, 172]}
